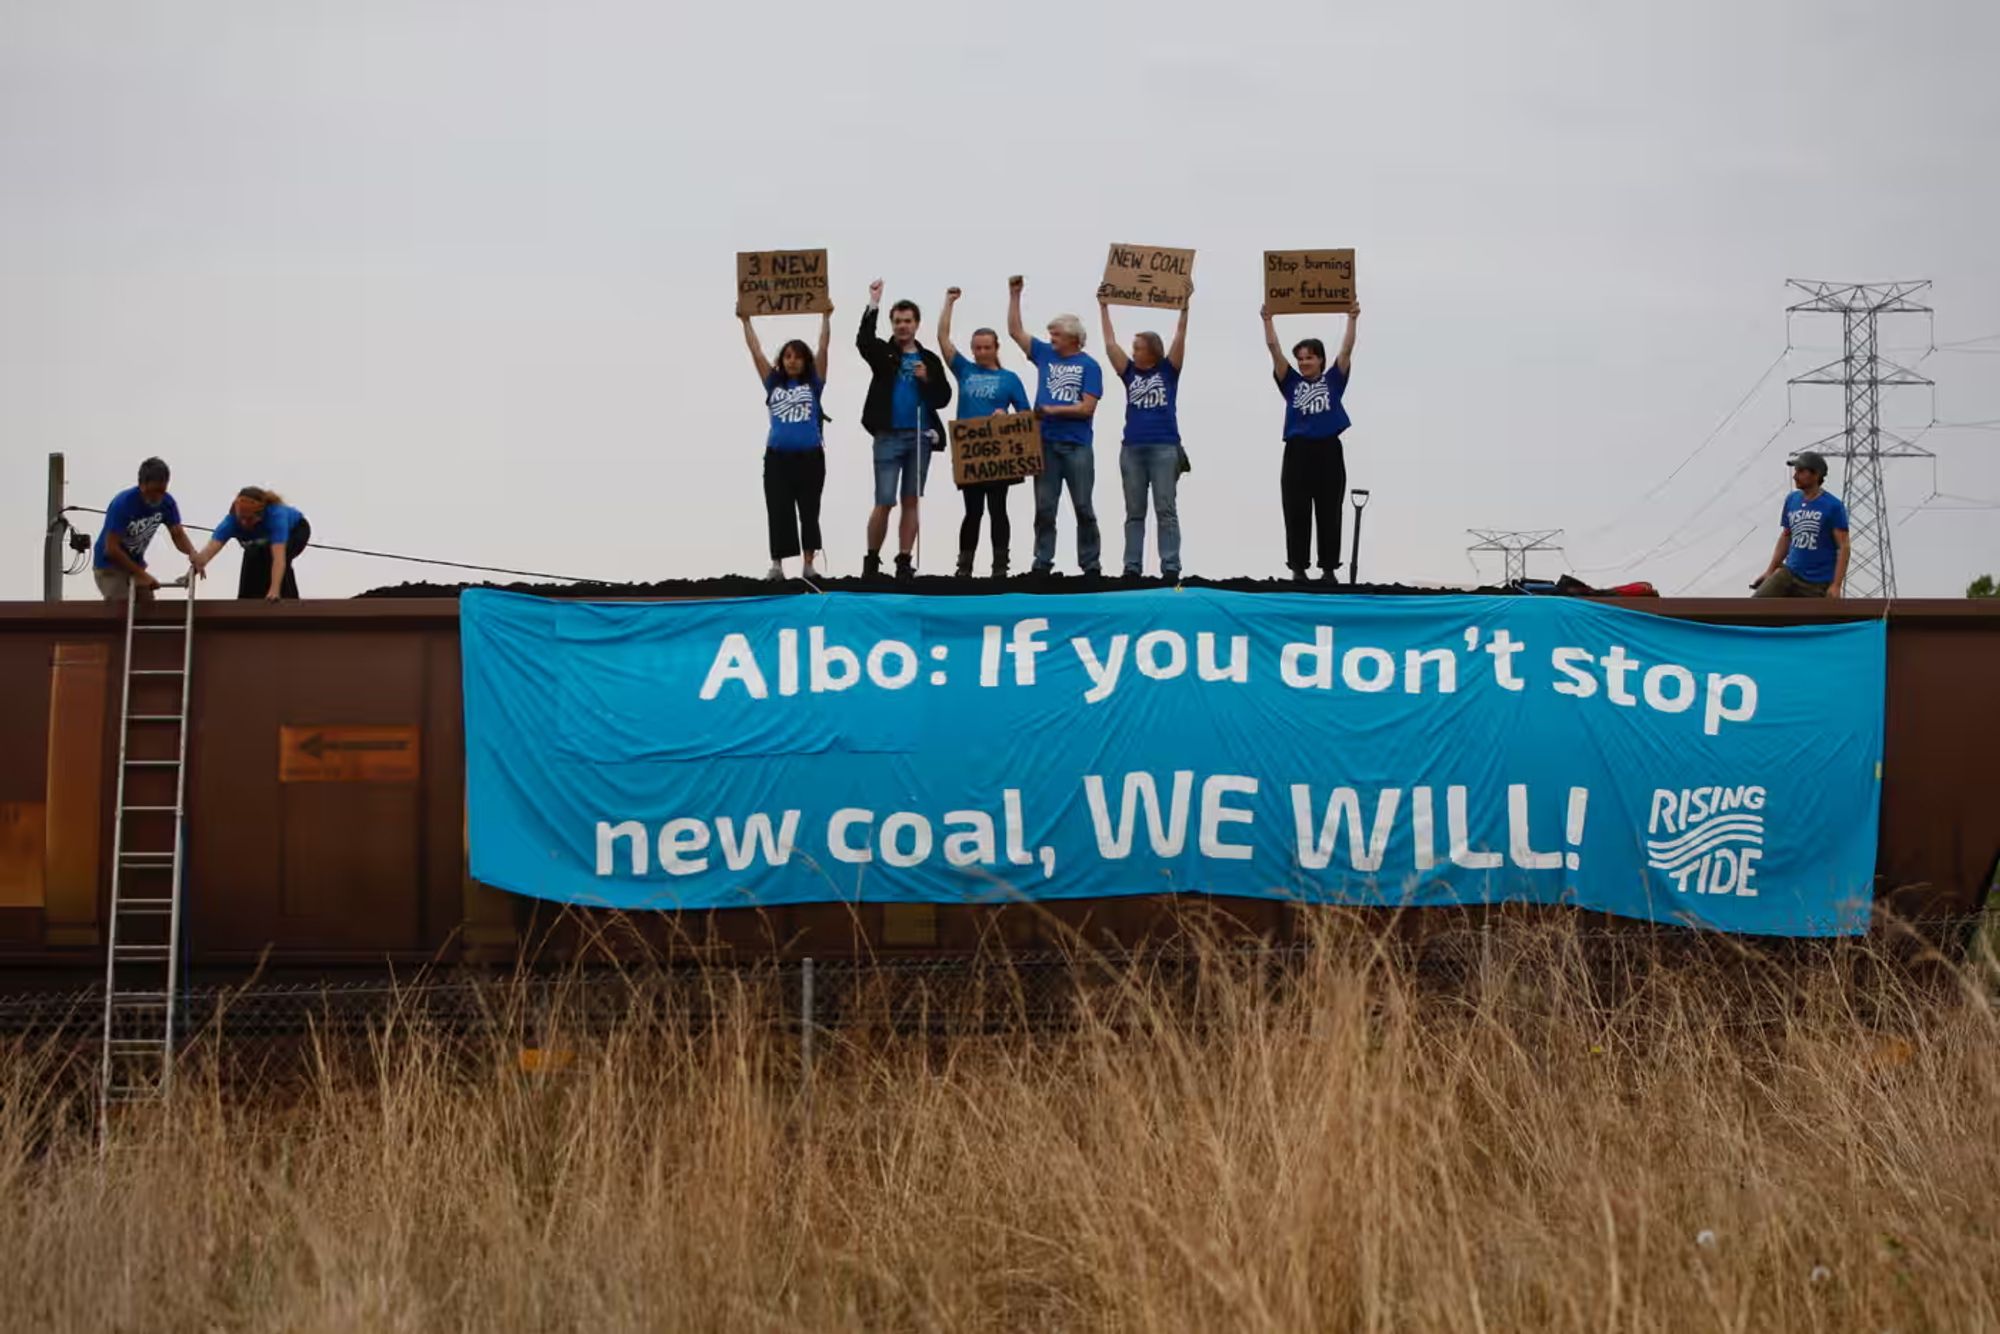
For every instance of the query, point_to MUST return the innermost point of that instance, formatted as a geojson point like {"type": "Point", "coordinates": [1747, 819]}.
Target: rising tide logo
{"type": "Point", "coordinates": [1709, 839]}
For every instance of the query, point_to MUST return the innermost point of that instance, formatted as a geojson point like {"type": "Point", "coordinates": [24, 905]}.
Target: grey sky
{"type": "Point", "coordinates": [456, 277]}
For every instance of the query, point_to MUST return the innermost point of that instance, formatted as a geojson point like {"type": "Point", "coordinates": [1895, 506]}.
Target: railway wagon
{"type": "Point", "coordinates": [325, 814]}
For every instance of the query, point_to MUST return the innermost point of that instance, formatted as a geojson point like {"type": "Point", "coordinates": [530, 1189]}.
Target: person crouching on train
{"type": "Point", "coordinates": [272, 534]}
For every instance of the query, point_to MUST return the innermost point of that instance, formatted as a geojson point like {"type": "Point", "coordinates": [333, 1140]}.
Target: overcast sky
{"type": "Point", "coordinates": [456, 277]}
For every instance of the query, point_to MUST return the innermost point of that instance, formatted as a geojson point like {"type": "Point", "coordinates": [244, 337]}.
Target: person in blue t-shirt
{"type": "Point", "coordinates": [907, 389]}
{"type": "Point", "coordinates": [795, 445]}
{"type": "Point", "coordinates": [984, 388]}
{"type": "Point", "coordinates": [118, 560]}
{"type": "Point", "coordinates": [1313, 480]}
{"type": "Point", "coordinates": [1810, 560]}
{"type": "Point", "coordinates": [272, 534]}
{"type": "Point", "coordinates": [1151, 456]}
{"type": "Point", "coordinates": [1071, 382]}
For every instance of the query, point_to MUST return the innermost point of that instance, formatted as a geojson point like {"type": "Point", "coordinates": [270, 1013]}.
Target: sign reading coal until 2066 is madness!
{"type": "Point", "coordinates": [1308, 282]}
{"type": "Point", "coordinates": [1004, 447]}
{"type": "Point", "coordinates": [782, 282]}
{"type": "Point", "coordinates": [1141, 275]}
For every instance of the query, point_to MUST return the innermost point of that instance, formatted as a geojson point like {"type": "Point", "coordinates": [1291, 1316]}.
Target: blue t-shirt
{"type": "Point", "coordinates": [1152, 404]}
{"type": "Point", "coordinates": [275, 528]}
{"type": "Point", "coordinates": [907, 408]}
{"type": "Point", "coordinates": [135, 522]}
{"type": "Point", "coordinates": [794, 407]}
{"type": "Point", "coordinates": [982, 392]}
{"type": "Point", "coordinates": [1065, 380]}
{"type": "Point", "coordinates": [1812, 524]}
{"type": "Point", "coordinates": [1312, 407]}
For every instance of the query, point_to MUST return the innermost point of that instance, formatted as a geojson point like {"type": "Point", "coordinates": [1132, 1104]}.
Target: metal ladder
{"type": "Point", "coordinates": [142, 949]}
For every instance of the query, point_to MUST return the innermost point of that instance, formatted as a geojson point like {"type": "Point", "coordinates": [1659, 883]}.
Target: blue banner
{"type": "Point", "coordinates": [1414, 750]}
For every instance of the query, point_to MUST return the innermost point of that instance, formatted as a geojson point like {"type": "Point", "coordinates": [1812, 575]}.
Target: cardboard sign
{"type": "Point", "coordinates": [1140, 275]}
{"type": "Point", "coordinates": [1004, 447]}
{"type": "Point", "coordinates": [781, 282]}
{"type": "Point", "coordinates": [348, 755]}
{"type": "Point", "coordinates": [1302, 282]}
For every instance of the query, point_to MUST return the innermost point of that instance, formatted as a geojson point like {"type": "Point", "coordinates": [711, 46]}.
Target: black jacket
{"type": "Point", "coordinates": [885, 363]}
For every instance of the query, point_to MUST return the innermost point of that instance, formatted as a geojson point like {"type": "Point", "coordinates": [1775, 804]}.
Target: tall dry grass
{"type": "Point", "coordinates": [1345, 1143]}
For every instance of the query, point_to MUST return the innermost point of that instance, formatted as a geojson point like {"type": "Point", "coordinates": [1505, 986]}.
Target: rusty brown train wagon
{"type": "Point", "coordinates": [314, 853]}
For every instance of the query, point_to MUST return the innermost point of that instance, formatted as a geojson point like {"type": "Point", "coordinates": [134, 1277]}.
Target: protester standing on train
{"type": "Point", "coordinates": [984, 388]}
{"type": "Point", "coordinates": [1071, 383]}
{"type": "Point", "coordinates": [1151, 457]}
{"type": "Point", "coordinates": [795, 445]}
{"type": "Point", "coordinates": [272, 534]}
{"type": "Point", "coordinates": [906, 391]}
{"type": "Point", "coordinates": [1313, 480]}
{"type": "Point", "coordinates": [118, 562]}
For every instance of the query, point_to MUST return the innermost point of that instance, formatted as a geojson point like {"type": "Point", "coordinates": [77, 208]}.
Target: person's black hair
{"type": "Point", "coordinates": [988, 332]}
{"type": "Point", "coordinates": [909, 305]}
{"type": "Point", "coordinates": [1312, 345]}
{"type": "Point", "coordinates": [805, 357]}
{"type": "Point", "coordinates": [154, 470]}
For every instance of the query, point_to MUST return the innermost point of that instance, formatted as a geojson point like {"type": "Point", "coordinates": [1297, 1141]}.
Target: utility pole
{"type": "Point", "coordinates": [53, 560]}
{"type": "Point", "coordinates": [1862, 443]}
{"type": "Point", "coordinates": [1516, 545]}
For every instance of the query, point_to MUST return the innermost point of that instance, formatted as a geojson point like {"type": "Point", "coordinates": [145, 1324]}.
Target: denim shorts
{"type": "Point", "coordinates": [902, 463]}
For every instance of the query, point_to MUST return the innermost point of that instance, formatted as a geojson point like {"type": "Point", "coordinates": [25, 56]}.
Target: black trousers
{"type": "Point", "coordinates": [990, 498]}
{"type": "Point", "coordinates": [255, 580]}
{"type": "Point", "coordinates": [1313, 482]}
{"type": "Point", "coordinates": [794, 479]}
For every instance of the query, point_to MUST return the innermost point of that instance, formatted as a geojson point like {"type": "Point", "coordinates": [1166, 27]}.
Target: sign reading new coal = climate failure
{"type": "Point", "coordinates": [1376, 751]}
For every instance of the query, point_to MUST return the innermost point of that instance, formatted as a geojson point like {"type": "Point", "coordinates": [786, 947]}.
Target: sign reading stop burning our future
{"type": "Point", "coordinates": [782, 282]}
{"type": "Point", "coordinates": [1304, 282]}
{"type": "Point", "coordinates": [1359, 750]}
{"type": "Point", "coordinates": [1003, 447]}
{"type": "Point", "coordinates": [1157, 276]}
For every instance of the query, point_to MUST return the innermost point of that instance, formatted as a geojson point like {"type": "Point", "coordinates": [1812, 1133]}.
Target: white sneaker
{"type": "Point", "coordinates": [776, 573]}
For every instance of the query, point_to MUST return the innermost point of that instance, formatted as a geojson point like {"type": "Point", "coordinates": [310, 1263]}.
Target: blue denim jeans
{"type": "Point", "coordinates": [902, 466]}
{"type": "Point", "coordinates": [1075, 465]}
{"type": "Point", "coordinates": [1157, 467]}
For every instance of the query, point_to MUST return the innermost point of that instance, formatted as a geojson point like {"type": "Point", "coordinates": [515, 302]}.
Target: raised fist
{"type": "Point", "coordinates": [875, 293]}
{"type": "Point", "coordinates": [952, 294]}
{"type": "Point", "coordinates": [1016, 283]}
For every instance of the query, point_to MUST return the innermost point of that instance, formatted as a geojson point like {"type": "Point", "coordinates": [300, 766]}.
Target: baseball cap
{"type": "Point", "coordinates": [1809, 459]}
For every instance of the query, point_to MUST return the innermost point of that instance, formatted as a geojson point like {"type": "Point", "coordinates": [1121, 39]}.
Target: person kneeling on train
{"type": "Point", "coordinates": [272, 534]}
{"type": "Point", "coordinates": [130, 520]}
{"type": "Point", "coordinates": [1810, 560]}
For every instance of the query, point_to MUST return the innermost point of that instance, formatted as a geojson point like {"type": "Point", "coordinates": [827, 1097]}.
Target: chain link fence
{"type": "Point", "coordinates": [264, 1032]}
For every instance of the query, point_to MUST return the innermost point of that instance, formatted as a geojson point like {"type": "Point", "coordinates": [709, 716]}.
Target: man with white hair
{"type": "Point", "coordinates": [1071, 382]}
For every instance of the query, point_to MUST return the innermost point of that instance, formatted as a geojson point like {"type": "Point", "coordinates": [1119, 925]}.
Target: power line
{"type": "Point", "coordinates": [391, 555]}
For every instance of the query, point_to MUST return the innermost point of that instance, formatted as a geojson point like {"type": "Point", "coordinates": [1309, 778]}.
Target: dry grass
{"type": "Point", "coordinates": [1352, 1148]}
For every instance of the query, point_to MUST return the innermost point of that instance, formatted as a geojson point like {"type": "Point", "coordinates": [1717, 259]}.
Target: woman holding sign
{"type": "Point", "coordinates": [1313, 481]}
{"type": "Point", "coordinates": [794, 447]}
{"type": "Point", "coordinates": [984, 388]}
{"type": "Point", "coordinates": [1151, 457]}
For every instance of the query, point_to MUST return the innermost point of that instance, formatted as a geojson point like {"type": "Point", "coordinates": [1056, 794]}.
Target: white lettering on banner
{"type": "Point", "coordinates": [1216, 805]}
{"type": "Point", "coordinates": [1708, 839]}
{"type": "Point", "coordinates": [1324, 663]}
{"type": "Point", "coordinates": [1168, 834]}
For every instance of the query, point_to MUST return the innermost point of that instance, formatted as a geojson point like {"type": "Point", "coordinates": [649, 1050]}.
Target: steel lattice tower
{"type": "Point", "coordinates": [1516, 545]}
{"type": "Point", "coordinates": [1862, 443]}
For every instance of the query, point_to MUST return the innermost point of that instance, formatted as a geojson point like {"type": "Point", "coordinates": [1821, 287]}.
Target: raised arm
{"type": "Point", "coordinates": [945, 349]}
{"type": "Point", "coordinates": [1179, 348]}
{"type": "Point", "coordinates": [1346, 358]}
{"type": "Point", "coordinates": [1015, 329]}
{"type": "Point", "coordinates": [820, 362]}
{"type": "Point", "coordinates": [865, 340]}
{"type": "Point", "coordinates": [1280, 365]}
{"type": "Point", "coordinates": [1112, 352]}
{"type": "Point", "coordinates": [757, 357]}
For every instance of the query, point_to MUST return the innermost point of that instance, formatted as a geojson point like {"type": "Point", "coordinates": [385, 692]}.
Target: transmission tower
{"type": "Point", "coordinates": [1516, 545]}
{"type": "Point", "coordinates": [1862, 443]}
